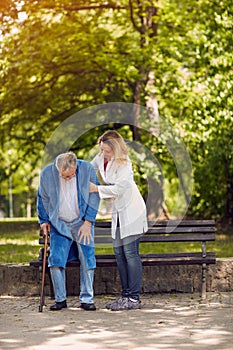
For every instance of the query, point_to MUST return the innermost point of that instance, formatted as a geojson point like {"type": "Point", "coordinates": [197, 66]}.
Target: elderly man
{"type": "Point", "coordinates": [68, 211]}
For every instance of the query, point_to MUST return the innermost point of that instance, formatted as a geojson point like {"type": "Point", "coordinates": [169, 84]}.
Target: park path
{"type": "Point", "coordinates": [165, 322]}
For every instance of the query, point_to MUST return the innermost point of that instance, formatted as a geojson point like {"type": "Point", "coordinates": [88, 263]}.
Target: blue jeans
{"type": "Point", "coordinates": [58, 276]}
{"type": "Point", "coordinates": [129, 265]}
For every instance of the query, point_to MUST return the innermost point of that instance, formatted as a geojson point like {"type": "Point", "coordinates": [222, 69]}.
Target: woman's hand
{"type": "Point", "coordinates": [93, 187]}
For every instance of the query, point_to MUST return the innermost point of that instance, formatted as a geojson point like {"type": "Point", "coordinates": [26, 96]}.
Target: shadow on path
{"type": "Point", "coordinates": [171, 322]}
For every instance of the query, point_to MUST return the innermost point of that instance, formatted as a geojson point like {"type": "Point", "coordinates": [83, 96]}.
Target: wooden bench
{"type": "Point", "coordinates": [186, 231]}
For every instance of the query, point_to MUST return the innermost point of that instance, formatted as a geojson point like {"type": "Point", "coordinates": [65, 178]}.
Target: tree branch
{"type": "Point", "coordinates": [139, 29]}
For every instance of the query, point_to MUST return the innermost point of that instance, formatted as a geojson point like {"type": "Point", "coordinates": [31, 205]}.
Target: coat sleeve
{"type": "Point", "coordinates": [42, 214]}
{"type": "Point", "coordinates": [95, 163]}
{"type": "Point", "coordinates": [123, 182]}
{"type": "Point", "coordinates": [93, 200]}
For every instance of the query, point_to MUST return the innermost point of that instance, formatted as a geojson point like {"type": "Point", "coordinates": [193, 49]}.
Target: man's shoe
{"type": "Point", "coordinates": [87, 307]}
{"type": "Point", "coordinates": [58, 305]}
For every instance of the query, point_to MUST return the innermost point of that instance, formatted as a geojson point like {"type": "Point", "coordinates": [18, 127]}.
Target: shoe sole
{"type": "Point", "coordinates": [64, 307]}
{"type": "Point", "coordinates": [87, 309]}
{"type": "Point", "coordinates": [126, 309]}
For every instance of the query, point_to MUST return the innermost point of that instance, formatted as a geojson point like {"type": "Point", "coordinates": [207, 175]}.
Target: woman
{"type": "Point", "coordinates": [128, 215]}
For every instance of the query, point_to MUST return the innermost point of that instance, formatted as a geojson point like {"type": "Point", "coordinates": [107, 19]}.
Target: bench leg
{"type": "Point", "coordinates": [203, 284]}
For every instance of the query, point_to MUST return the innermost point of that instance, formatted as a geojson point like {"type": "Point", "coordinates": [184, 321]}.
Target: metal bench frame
{"type": "Point", "coordinates": [189, 231]}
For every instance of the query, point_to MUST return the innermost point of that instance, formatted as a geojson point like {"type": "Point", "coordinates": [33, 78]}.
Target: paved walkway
{"type": "Point", "coordinates": [165, 322]}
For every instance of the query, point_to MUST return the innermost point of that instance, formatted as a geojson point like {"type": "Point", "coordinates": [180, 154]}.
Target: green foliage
{"type": "Point", "coordinates": [209, 129]}
{"type": "Point", "coordinates": [58, 57]}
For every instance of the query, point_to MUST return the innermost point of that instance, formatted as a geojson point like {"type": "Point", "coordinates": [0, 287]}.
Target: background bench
{"type": "Point", "coordinates": [186, 231]}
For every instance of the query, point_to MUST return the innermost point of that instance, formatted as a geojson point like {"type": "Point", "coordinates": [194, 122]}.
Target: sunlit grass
{"type": "Point", "coordinates": [19, 247]}
{"type": "Point", "coordinates": [18, 254]}
{"type": "Point", "coordinates": [19, 238]}
{"type": "Point", "coordinates": [222, 246]}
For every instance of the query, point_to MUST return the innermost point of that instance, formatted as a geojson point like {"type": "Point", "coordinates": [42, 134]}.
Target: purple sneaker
{"type": "Point", "coordinates": [120, 304]}
{"type": "Point", "coordinates": [126, 304]}
{"type": "Point", "coordinates": [114, 303]}
{"type": "Point", "coordinates": [134, 304]}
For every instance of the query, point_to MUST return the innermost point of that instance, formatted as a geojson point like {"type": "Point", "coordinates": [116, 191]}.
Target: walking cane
{"type": "Point", "coordinates": [43, 273]}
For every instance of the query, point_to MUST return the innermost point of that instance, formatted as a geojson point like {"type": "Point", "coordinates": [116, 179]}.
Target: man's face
{"type": "Point", "coordinates": [68, 175]}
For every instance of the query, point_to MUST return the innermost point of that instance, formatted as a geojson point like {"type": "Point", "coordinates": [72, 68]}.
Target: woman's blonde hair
{"type": "Point", "coordinates": [114, 140]}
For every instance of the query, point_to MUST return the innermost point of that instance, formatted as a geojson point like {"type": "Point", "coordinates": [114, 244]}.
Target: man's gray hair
{"type": "Point", "coordinates": [66, 162]}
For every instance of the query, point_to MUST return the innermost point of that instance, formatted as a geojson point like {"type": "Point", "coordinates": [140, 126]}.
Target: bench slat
{"type": "Point", "coordinates": [163, 230]}
{"type": "Point", "coordinates": [161, 239]}
{"type": "Point", "coordinates": [149, 259]}
{"type": "Point", "coordinates": [157, 239]}
{"type": "Point", "coordinates": [178, 238]}
{"type": "Point", "coordinates": [184, 223]}
{"type": "Point", "coordinates": [158, 229]}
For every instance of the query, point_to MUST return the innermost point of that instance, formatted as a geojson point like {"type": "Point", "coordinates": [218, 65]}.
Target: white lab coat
{"type": "Point", "coordinates": [127, 202]}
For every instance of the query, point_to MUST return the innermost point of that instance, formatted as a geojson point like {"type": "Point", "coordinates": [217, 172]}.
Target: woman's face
{"type": "Point", "coordinates": [106, 151]}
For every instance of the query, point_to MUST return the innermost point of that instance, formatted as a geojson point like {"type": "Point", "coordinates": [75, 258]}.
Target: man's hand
{"type": "Point", "coordinates": [45, 227]}
{"type": "Point", "coordinates": [84, 233]}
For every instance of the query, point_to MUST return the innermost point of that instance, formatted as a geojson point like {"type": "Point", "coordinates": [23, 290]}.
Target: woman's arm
{"type": "Point", "coordinates": [123, 182]}
{"type": "Point", "coordinates": [96, 162]}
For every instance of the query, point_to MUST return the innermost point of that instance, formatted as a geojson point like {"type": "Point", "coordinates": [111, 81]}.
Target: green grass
{"type": "Point", "coordinates": [19, 246]}
{"type": "Point", "coordinates": [22, 246]}
{"type": "Point", "coordinates": [223, 247]}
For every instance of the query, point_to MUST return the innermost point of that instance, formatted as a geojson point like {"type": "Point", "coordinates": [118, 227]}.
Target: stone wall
{"type": "Point", "coordinates": [23, 280]}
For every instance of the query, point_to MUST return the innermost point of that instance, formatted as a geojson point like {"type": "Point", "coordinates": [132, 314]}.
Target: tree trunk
{"type": "Point", "coordinates": [229, 199]}
{"type": "Point", "coordinates": [143, 16]}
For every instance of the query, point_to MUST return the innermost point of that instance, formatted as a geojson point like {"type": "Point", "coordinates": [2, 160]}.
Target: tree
{"type": "Point", "coordinates": [175, 57]}
{"type": "Point", "coordinates": [209, 125]}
